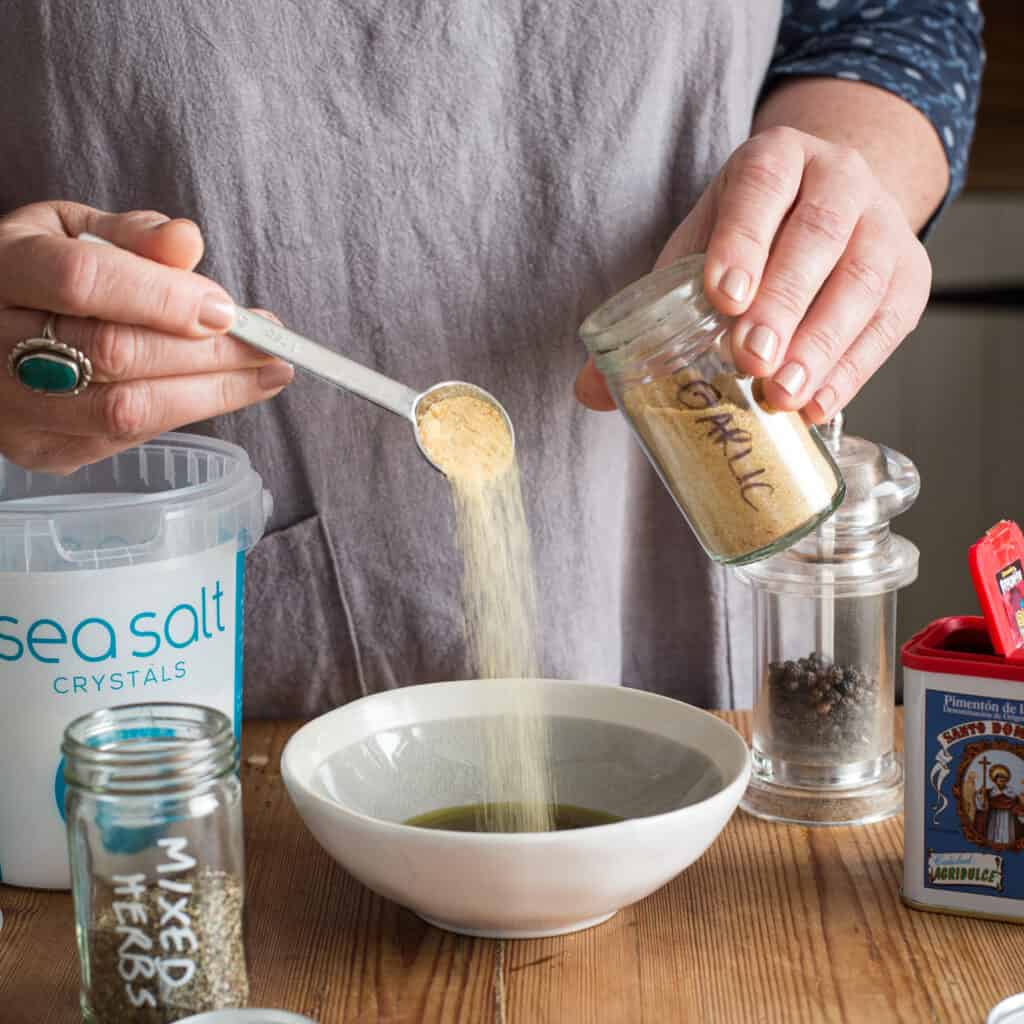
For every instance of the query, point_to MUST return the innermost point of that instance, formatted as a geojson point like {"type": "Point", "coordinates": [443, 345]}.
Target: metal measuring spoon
{"type": "Point", "coordinates": [345, 373]}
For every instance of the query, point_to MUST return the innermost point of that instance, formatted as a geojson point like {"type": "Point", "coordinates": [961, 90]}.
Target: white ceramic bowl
{"type": "Point", "coordinates": [674, 772]}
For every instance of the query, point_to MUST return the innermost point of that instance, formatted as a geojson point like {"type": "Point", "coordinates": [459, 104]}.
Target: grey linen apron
{"type": "Point", "coordinates": [439, 189]}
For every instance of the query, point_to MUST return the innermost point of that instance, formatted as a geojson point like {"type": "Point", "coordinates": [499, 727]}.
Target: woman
{"type": "Point", "coordinates": [446, 190]}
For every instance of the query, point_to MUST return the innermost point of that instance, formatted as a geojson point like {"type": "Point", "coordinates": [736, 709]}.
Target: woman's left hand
{"type": "Point", "coordinates": [815, 260]}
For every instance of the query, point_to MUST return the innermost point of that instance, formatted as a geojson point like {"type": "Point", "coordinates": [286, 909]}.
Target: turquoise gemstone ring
{"type": "Point", "coordinates": [48, 366]}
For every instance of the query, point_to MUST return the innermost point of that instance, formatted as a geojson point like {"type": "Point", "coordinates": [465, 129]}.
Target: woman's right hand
{"type": "Point", "coordinates": [152, 328]}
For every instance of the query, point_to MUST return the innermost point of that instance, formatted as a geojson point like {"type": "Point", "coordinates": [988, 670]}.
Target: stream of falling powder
{"type": "Point", "coordinates": [469, 440]}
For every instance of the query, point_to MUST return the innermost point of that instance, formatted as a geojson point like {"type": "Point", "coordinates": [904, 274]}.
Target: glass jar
{"type": "Point", "coordinates": [750, 481]}
{"type": "Point", "coordinates": [825, 652]}
{"type": "Point", "coordinates": [154, 820]}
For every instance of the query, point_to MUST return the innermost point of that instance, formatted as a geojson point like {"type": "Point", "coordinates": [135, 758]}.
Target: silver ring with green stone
{"type": "Point", "coordinates": [48, 366]}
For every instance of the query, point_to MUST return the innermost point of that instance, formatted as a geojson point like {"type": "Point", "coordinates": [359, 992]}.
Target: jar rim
{"type": "Point", "coordinates": [137, 749]}
{"type": "Point", "coordinates": [673, 293]}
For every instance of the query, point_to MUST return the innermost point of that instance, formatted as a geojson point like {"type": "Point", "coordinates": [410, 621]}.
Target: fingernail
{"type": "Point", "coordinates": [216, 313]}
{"type": "Point", "coordinates": [274, 376]}
{"type": "Point", "coordinates": [827, 399]}
{"type": "Point", "coordinates": [761, 342]}
{"type": "Point", "coordinates": [791, 378]}
{"type": "Point", "coordinates": [735, 283]}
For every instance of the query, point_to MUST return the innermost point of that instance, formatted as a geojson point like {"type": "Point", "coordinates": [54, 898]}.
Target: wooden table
{"type": "Point", "coordinates": [774, 923]}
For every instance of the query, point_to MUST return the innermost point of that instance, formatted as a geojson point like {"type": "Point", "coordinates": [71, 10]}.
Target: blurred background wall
{"type": "Point", "coordinates": [952, 397]}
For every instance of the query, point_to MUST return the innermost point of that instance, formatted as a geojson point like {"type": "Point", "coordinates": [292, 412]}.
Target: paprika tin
{"type": "Point", "coordinates": [963, 826]}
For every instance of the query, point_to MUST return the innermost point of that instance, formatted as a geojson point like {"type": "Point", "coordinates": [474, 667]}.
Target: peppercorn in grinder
{"type": "Point", "coordinates": [825, 651]}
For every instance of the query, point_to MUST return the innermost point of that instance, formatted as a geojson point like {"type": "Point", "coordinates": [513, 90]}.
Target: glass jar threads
{"type": "Point", "coordinates": [154, 818]}
{"type": "Point", "coordinates": [750, 481]}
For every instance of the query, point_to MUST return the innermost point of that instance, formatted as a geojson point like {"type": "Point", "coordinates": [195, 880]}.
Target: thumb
{"type": "Point", "coordinates": [174, 243]}
{"type": "Point", "coordinates": [591, 389]}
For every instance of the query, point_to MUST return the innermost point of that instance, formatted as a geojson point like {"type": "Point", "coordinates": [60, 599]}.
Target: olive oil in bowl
{"type": "Point", "coordinates": [475, 817]}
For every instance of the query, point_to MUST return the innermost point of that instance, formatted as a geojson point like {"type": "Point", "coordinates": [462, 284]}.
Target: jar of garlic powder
{"type": "Point", "coordinates": [750, 481]}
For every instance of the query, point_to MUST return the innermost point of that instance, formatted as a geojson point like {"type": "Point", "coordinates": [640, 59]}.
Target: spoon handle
{"type": "Point", "coordinates": [323, 362]}
{"type": "Point", "coordinates": [315, 359]}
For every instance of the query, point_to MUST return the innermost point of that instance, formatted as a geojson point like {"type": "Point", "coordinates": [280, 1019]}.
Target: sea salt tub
{"type": "Point", "coordinates": [121, 583]}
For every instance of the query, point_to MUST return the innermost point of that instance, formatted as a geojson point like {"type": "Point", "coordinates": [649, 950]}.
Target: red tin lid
{"type": "Point", "coordinates": [997, 568]}
{"type": "Point", "coordinates": [959, 646]}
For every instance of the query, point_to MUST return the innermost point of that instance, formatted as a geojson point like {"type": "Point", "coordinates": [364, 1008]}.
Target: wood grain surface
{"type": "Point", "coordinates": [774, 923]}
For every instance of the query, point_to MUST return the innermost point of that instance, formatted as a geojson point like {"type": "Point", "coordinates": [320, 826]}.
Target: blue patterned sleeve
{"type": "Point", "coordinates": [928, 52]}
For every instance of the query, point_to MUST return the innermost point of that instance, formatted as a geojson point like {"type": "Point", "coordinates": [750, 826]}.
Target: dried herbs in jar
{"type": "Point", "coordinates": [154, 819]}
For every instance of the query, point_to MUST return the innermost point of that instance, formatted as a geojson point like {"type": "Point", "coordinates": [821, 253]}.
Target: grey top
{"type": "Point", "coordinates": [438, 189]}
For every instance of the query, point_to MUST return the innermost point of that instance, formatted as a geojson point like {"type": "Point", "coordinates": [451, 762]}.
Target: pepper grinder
{"type": "Point", "coordinates": [825, 651]}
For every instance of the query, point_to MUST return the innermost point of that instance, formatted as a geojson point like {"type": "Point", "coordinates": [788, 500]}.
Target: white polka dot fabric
{"type": "Point", "coordinates": [928, 52]}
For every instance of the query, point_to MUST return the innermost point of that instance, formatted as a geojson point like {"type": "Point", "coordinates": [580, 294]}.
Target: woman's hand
{"type": "Point", "coordinates": [816, 261]}
{"type": "Point", "coordinates": [152, 329]}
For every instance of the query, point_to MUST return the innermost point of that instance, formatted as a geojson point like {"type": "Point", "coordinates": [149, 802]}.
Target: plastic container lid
{"type": "Point", "coordinates": [177, 495]}
{"type": "Point", "coordinates": [997, 569]}
{"type": "Point", "coordinates": [249, 1015]}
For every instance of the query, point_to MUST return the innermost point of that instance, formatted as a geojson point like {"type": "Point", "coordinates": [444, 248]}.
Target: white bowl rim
{"type": "Point", "coordinates": [739, 779]}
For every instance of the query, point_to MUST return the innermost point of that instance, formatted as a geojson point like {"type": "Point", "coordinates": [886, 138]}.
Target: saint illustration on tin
{"type": "Point", "coordinates": [990, 794]}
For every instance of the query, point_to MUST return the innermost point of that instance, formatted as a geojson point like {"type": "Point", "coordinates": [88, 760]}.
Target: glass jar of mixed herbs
{"type": "Point", "coordinates": [154, 817]}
